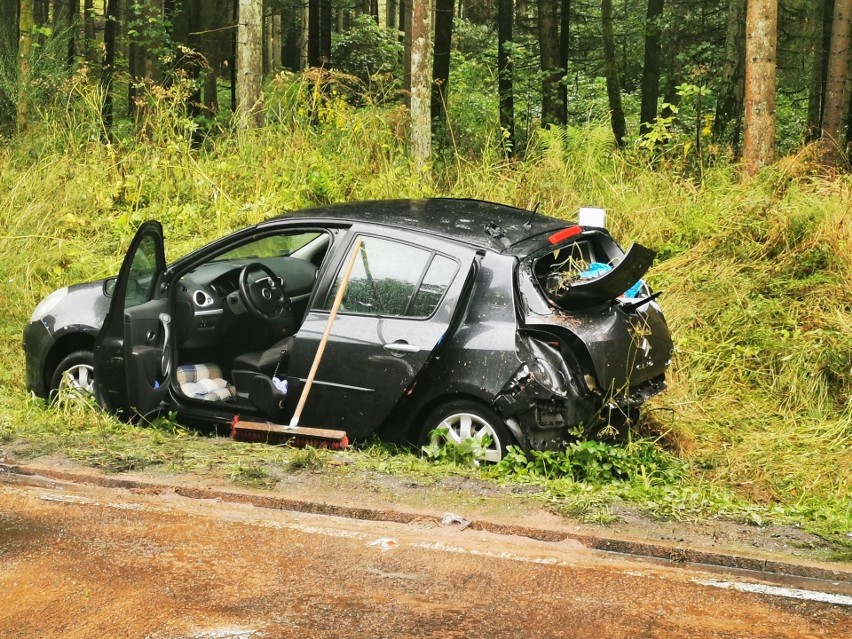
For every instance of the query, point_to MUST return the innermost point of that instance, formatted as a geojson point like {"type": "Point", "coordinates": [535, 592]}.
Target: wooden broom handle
{"type": "Point", "coordinates": [338, 300]}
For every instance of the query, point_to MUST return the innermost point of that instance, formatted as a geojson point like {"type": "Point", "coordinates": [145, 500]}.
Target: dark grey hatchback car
{"type": "Point", "coordinates": [471, 316]}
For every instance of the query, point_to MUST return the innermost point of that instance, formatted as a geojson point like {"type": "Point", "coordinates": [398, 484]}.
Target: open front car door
{"type": "Point", "coordinates": [132, 351]}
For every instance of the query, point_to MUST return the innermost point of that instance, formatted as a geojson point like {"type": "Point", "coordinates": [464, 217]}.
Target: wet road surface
{"type": "Point", "coordinates": [83, 562]}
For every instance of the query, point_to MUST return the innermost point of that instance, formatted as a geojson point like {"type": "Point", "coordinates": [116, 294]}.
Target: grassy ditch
{"type": "Point", "coordinates": [756, 274]}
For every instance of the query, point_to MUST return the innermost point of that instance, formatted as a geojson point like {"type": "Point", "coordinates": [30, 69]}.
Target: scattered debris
{"type": "Point", "coordinates": [385, 543]}
{"type": "Point", "coordinates": [451, 518]}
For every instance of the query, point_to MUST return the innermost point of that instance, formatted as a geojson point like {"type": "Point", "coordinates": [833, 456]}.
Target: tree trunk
{"type": "Point", "coordinates": [441, 58]}
{"type": "Point", "coordinates": [314, 33]}
{"type": "Point", "coordinates": [505, 88]}
{"type": "Point", "coordinates": [729, 106]}
{"type": "Point", "coordinates": [8, 65]}
{"type": "Point", "coordinates": [65, 14]}
{"type": "Point", "coordinates": [552, 106]}
{"type": "Point", "coordinates": [405, 30]}
{"type": "Point", "coordinates": [325, 33]}
{"type": "Point", "coordinates": [651, 66]}
{"type": "Point", "coordinates": [277, 42]}
{"type": "Point", "coordinates": [613, 86]}
{"type": "Point", "coordinates": [26, 23]}
{"type": "Point", "coordinates": [249, 62]}
{"type": "Point", "coordinates": [393, 15]}
{"type": "Point", "coordinates": [108, 65]}
{"type": "Point", "coordinates": [819, 68]}
{"type": "Point", "coordinates": [564, 50]}
{"type": "Point", "coordinates": [89, 31]}
{"type": "Point", "coordinates": [760, 72]}
{"type": "Point", "coordinates": [421, 120]}
{"type": "Point", "coordinates": [838, 66]}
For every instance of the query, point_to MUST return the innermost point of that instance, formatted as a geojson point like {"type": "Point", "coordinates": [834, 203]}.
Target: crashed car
{"type": "Point", "coordinates": [461, 317]}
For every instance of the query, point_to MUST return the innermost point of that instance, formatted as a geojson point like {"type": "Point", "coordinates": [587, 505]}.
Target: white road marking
{"type": "Point", "coordinates": [778, 591]}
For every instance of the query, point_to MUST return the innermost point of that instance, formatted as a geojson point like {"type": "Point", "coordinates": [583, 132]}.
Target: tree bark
{"type": "Point", "coordinates": [613, 85]}
{"type": "Point", "coordinates": [651, 66]}
{"type": "Point", "coordinates": [564, 50]}
{"type": "Point", "coordinates": [552, 105]}
{"type": "Point", "coordinates": [277, 42]}
{"type": "Point", "coordinates": [441, 58]}
{"type": "Point", "coordinates": [108, 64]}
{"type": "Point", "coordinates": [249, 62]}
{"type": "Point", "coordinates": [8, 65]}
{"type": "Point", "coordinates": [325, 33]}
{"type": "Point", "coordinates": [505, 87]}
{"type": "Point", "coordinates": [838, 66]}
{"type": "Point", "coordinates": [760, 84]}
{"type": "Point", "coordinates": [314, 33]}
{"type": "Point", "coordinates": [421, 120]}
{"type": "Point", "coordinates": [729, 106]}
{"type": "Point", "coordinates": [824, 10]}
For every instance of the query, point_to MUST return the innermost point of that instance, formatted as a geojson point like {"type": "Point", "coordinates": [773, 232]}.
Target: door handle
{"type": "Point", "coordinates": [166, 359]}
{"type": "Point", "coordinates": [402, 347]}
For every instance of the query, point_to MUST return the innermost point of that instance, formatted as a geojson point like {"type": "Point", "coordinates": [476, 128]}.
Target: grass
{"type": "Point", "coordinates": [756, 275]}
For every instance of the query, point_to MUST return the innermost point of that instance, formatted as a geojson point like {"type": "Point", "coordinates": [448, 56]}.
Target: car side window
{"type": "Point", "coordinates": [143, 273]}
{"type": "Point", "coordinates": [394, 279]}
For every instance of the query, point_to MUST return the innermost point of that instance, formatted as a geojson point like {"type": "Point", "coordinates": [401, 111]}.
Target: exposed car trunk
{"type": "Point", "coordinates": [590, 294]}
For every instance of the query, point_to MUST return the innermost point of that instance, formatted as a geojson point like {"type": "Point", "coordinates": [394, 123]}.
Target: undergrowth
{"type": "Point", "coordinates": [756, 273]}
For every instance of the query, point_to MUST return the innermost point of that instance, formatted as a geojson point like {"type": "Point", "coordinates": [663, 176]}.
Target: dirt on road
{"type": "Point", "coordinates": [84, 561]}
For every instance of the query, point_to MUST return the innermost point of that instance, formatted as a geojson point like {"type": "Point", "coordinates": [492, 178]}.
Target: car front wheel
{"type": "Point", "coordinates": [75, 373]}
{"type": "Point", "coordinates": [457, 422]}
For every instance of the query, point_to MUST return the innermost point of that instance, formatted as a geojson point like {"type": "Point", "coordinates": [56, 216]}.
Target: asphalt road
{"type": "Point", "coordinates": [95, 562]}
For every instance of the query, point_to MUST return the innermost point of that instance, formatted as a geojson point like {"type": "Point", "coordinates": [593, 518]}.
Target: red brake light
{"type": "Point", "coordinates": [564, 234]}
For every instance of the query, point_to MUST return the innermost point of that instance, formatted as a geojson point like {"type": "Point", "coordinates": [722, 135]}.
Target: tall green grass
{"type": "Point", "coordinates": [756, 273]}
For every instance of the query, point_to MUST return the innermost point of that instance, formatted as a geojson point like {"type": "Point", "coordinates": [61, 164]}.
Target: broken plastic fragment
{"type": "Point", "coordinates": [385, 543]}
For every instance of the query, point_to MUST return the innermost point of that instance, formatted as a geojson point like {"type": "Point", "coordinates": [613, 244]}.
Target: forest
{"type": "Point", "coordinates": [717, 132]}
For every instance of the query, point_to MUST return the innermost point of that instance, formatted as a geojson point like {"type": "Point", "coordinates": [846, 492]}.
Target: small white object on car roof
{"type": "Point", "coordinates": [590, 216]}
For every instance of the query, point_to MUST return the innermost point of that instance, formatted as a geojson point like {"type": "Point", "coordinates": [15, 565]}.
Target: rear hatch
{"type": "Point", "coordinates": [580, 283]}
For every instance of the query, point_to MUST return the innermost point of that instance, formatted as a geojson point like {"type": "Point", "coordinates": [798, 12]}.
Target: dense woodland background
{"type": "Point", "coordinates": [714, 131]}
{"type": "Point", "coordinates": [728, 73]}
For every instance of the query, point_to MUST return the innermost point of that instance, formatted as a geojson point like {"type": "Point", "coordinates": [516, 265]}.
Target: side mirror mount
{"type": "Point", "coordinates": [109, 286]}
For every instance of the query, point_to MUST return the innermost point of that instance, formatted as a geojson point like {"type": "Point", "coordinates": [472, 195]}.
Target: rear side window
{"type": "Point", "coordinates": [395, 279]}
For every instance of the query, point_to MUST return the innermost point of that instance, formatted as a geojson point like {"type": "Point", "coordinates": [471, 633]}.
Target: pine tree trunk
{"type": "Point", "coordinates": [314, 33]}
{"type": "Point", "coordinates": [729, 106]}
{"type": "Point", "coordinates": [564, 50]}
{"type": "Point", "coordinates": [552, 106]}
{"type": "Point", "coordinates": [505, 87]}
{"type": "Point", "coordinates": [824, 12]}
{"type": "Point", "coordinates": [613, 85]}
{"type": "Point", "coordinates": [651, 66]}
{"type": "Point", "coordinates": [26, 23]}
{"type": "Point", "coordinates": [108, 65]}
{"type": "Point", "coordinates": [393, 15]}
{"type": "Point", "coordinates": [89, 30]}
{"type": "Point", "coordinates": [760, 84]}
{"type": "Point", "coordinates": [325, 33]}
{"type": "Point", "coordinates": [249, 62]}
{"type": "Point", "coordinates": [838, 66]}
{"type": "Point", "coordinates": [8, 65]}
{"type": "Point", "coordinates": [421, 120]}
{"type": "Point", "coordinates": [441, 58]}
{"type": "Point", "coordinates": [277, 42]}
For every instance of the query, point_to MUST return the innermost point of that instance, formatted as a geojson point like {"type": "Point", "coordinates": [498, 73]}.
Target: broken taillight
{"type": "Point", "coordinates": [564, 234]}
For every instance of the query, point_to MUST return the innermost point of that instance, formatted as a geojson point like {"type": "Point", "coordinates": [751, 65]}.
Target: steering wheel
{"type": "Point", "coordinates": [264, 297]}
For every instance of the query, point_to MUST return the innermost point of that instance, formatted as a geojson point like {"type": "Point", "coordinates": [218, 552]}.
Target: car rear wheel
{"type": "Point", "coordinates": [75, 374]}
{"type": "Point", "coordinates": [457, 421]}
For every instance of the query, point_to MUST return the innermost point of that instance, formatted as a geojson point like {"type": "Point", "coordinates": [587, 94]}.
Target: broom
{"type": "Point", "coordinates": [293, 434]}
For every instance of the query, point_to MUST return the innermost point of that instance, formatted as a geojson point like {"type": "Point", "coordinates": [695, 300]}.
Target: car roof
{"type": "Point", "coordinates": [489, 225]}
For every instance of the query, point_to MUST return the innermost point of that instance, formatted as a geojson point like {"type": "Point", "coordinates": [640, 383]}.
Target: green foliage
{"type": "Point", "coordinates": [468, 452]}
{"type": "Point", "coordinates": [367, 52]}
{"type": "Point", "coordinates": [598, 462]}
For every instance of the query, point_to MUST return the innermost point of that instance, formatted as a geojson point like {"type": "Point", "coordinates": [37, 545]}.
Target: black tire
{"type": "Point", "coordinates": [81, 366]}
{"type": "Point", "coordinates": [467, 418]}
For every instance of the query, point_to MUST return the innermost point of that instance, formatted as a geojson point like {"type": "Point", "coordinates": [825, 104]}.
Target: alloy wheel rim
{"type": "Point", "coordinates": [80, 377]}
{"type": "Point", "coordinates": [462, 426]}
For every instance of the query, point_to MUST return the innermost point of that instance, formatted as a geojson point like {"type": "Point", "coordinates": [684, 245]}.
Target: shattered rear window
{"type": "Point", "coordinates": [557, 271]}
